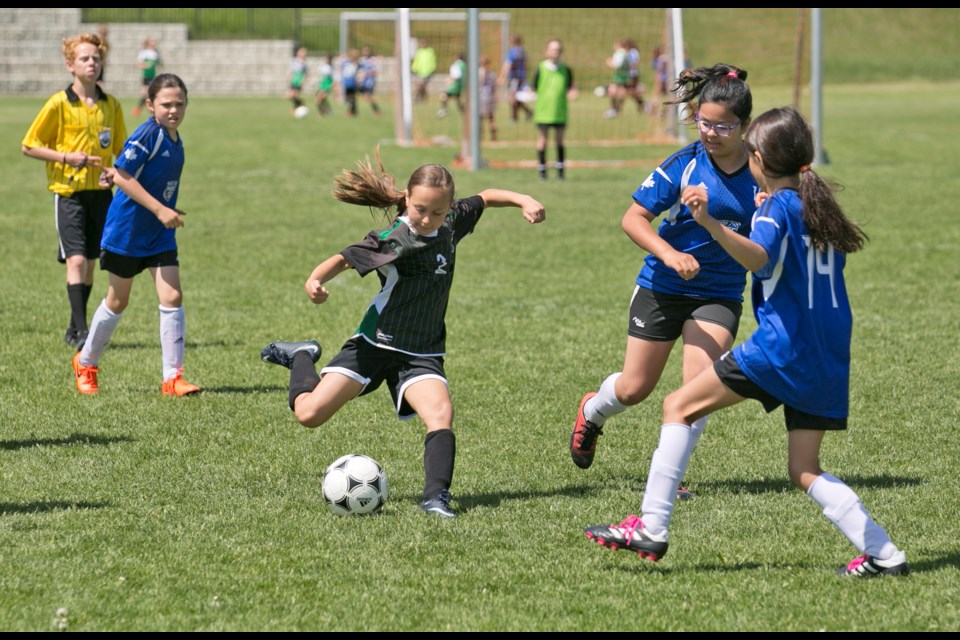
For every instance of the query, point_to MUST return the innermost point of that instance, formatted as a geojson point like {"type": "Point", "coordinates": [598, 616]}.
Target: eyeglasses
{"type": "Point", "coordinates": [722, 130]}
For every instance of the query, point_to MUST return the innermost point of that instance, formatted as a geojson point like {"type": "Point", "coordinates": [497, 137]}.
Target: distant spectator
{"type": "Point", "coordinates": [424, 65]}
{"type": "Point", "coordinates": [148, 59]}
{"type": "Point", "coordinates": [488, 96]}
{"type": "Point", "coordinates": [513, 75]}
{"type": "Point", "coordinates": [454, 89]}
{"type": "Point", "coordinates": [367, 77]}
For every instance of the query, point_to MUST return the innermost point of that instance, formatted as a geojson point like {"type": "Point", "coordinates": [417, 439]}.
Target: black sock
{"type": "Point", "coordinates": [303, 376]}
{"type": "Point", "coordinates": [78, 306]}
{"type": "Point", "coordinates": [439, 452]}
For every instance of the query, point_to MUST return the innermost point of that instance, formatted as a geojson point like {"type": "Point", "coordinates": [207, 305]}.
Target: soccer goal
{"type": "Point", "coordinates": [770, 43]}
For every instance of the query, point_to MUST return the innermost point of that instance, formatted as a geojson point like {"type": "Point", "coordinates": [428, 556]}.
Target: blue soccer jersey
{"type": "Point", "coordinates": [800, 352]}
{"type": "Point", "coordinates": [731, 201]}
{"type": "Point", "coordinates": [156, 162]}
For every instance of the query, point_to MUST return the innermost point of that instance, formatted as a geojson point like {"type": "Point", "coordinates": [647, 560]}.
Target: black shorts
{"type": "Point", "coordinates": [733, 377]}
{"type": "Point", "coordinates": [372, 366]}
{"type": "Point", "coordinates": [129, 266]}
{"type": "Point", "coordinates": [661, 316]}
{"type": "Point", "coordinates": [80, 220]}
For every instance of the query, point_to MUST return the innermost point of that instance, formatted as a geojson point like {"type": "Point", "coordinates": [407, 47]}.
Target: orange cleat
{"type": "Point", "coordinates": [177, 386]}
{"type": "Point", "coordinates": [86, 376]}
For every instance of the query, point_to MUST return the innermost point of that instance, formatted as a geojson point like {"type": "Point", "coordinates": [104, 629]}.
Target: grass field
{"type": "Point", "coordinates": [136, 512]}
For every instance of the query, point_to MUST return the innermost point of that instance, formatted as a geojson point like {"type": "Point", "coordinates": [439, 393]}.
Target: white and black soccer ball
{"type": "Point", "coordinates": [355, 484]}
{"type": "Point", "coordinates": [301, 112]}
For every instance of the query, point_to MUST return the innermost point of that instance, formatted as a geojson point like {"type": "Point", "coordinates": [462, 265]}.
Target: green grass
{"type": "Point", "coordinates": [141, 513]}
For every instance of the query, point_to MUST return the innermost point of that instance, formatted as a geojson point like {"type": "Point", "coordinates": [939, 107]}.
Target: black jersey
{"type": "Point", "coordinates": [415, 273]}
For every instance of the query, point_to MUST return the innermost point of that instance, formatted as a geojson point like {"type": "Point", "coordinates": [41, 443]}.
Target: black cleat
{"type": "Point", "coordinates": [282, 353]}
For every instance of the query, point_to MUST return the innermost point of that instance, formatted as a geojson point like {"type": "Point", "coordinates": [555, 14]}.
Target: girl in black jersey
{"type": "Point", "coordinates": [401, 338]}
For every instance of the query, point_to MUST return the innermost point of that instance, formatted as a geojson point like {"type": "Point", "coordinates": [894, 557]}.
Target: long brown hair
{"type": "Point", "coordinates": [785, 143]}
{"type": "Point", "coordinates": [376, 188]}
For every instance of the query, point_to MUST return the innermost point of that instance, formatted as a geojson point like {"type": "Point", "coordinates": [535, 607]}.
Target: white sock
{"type": "Point", "coordinates": [172, 336]}
{"type": "Point", "coordinates": [696, 430]}
{"type": "Point", "coordinates": [843, 508]}
{"type": "Point", "coordinates": [605, 403]}
{"type": "Point", "coordinates": [667, 466]}
{"type": "Point", "coordinates": [102, 326]}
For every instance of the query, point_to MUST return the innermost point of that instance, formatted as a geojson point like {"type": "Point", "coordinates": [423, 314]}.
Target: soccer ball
{"type": "Point", "coordinates": [354, 484]}
{"type": "Point", "coordinates": [600, 91]}
{"type": "Point", "coordinates": [301, 112]}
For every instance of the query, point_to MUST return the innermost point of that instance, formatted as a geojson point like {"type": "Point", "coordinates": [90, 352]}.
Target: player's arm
{"type": "Point", "coordinates": [171, 218]}
{"type": "Point", "coordinates": [532, 210]}
{"type": "Point", "coordinates": [76, 159]}
{"type": "Point", "coordinates": [748, 253]}
{"type": "Point", "coordinates": [323, 273]}
{"type": "Point", "coordinates": [636, 223]}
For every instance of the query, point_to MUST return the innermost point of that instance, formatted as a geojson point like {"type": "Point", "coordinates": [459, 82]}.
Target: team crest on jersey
{"type": "Point", "coordinates": [384, 338]}
{"type": "Point", "coordinates": [130, 153]}
{"type": "Point", "coordinates": [104, 136]}
{"type": "Point", "coordinates": [170, 190]}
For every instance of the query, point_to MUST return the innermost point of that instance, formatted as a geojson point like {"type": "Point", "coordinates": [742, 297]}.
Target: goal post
{"type": "Point", "coordinates": [772, 44]}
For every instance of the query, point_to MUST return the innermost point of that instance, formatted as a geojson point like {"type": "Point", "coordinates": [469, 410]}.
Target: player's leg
{"type": "Point", "coordinates": [429, 397]}
{"type": "Point", "coordinates": [841, 505]}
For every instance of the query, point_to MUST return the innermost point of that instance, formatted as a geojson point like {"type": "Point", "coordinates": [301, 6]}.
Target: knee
{"type": "Point", "coordinates": [674, 409]}
{"type": "Point", "coordinates": [802, 473]}
{"type": "Point", "coordinates": [309, 417]}
{"type": "Point", "coordinates": [631, 392]}
{"type": "Point", "coordinates": [172, 298]}
{"type": "Point", "coordinates": [439, 415]}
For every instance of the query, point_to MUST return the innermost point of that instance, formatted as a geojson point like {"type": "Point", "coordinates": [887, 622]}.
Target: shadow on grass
{"type": "Point", "coordinates": [7, 508]}
{"type": "Point", "coordinates": [779, 485]}
{"type": "Point", "coordinates": [949, 560]}
{"type": "Point", "coordinates": [473, 501]}
{"type": "Point", "coordinates": [259, 388]}
{"type": "Point", "coordinates": [72, 439]}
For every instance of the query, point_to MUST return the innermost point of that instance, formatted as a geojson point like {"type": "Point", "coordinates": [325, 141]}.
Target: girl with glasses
{"type": "Point", "coordinates": [688, 287]}
{"type": "Point", "coordinates": [798, 357]}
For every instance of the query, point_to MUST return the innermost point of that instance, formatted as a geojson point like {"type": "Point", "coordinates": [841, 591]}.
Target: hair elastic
{"type": "Point", "coordinates": [805, 168]}
{"type": "Point", "coordinates": [732, 74]}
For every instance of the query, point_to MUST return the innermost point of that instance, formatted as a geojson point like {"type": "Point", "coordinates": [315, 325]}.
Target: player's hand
{"type": "Point", "coordinates": [695, 198]}
{"type": "Point", "coordinates": [534, 212]}
{"type": "Point", "coordinates": [171, 217]}
{"type": "Point", "coordinates": [760, 198]}
{"type": "Point", "coordinates": [317, 293]}
{"type": "Point", "coordinates": [106, 177]}
{"type": "Point", "coordinates": [684, 264]}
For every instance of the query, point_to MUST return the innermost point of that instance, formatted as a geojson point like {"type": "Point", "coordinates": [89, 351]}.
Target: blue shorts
{"type": "Point", "coordinates": [371, 366]}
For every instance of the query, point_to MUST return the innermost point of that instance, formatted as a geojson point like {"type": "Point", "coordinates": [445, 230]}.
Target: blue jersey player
{"type": "Point", "coordinates": [139, 234]}
{"type": "Point", "coordinates": [799, 356]}
{"type": "Point", "coordinates": [689, 288]}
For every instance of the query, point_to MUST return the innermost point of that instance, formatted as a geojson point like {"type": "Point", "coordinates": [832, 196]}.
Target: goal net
{"type": "Point", "coordinates": [771, 44]}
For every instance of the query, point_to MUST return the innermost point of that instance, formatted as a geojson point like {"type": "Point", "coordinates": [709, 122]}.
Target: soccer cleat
{"type": "Point", "coordinates": [439, 505]}
{"type": "Point", "coordinates": [583, 440]}
{"type": "Point", "coordinates": [867, 566]}
{"type": "Point", "coordinates": [86, 377]}
{"type": "Point", "coordinates": [177, 386]}
{"type": "Point", "coordinates": [630, 534]}
{"type": "Point", "coordinates": [282, 352]}
{"type": "Point", "coordinates": [685, 494]}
